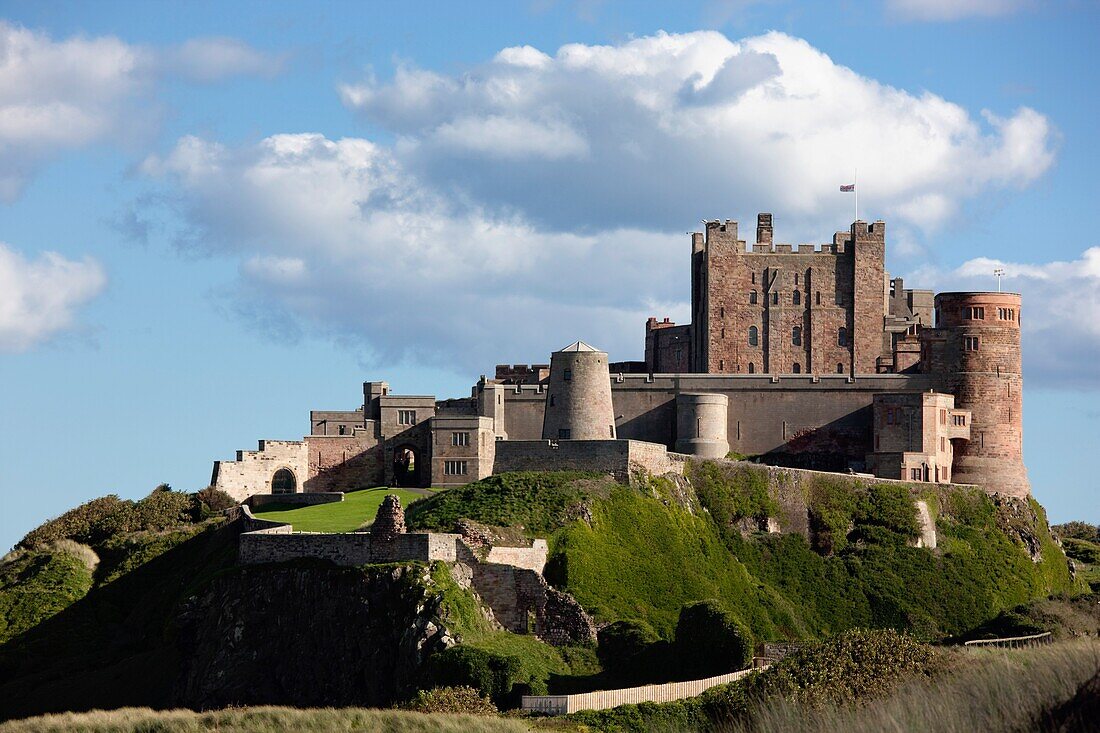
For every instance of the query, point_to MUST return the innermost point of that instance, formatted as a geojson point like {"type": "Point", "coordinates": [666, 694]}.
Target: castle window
{"type": "Point", "coordinates": [723, 333]}
{"type": "Point", "coordinates": [775, 298]}
{"type": "Point", "coordinates": [565, 433]}
{"type": "Point", "coordinates": [342, 430]}
{"type": "Point", "coordinates": [721, 365]}
{"type": "Point", "coordinates": [460, 438]}
{"type": "Point", "coordinates": [797, 368]}
{"type": "Point", "coordinates": [455, 468]}
{"type": "Point", "coordinates": [754, 336]}
{"type": "Point", "coordinates": [818, 297]}
{"type": "Point", "coordinates": [797, 298]}
{"type": "Point", "coordinates": [752, 368]}
{"type": "Point", "coordinates": [842, 336]}
{"type": "Point", "coordinates": [796, 278]}
{"type": "Point", "coordinates": [943, 417]}
{"type": "Point", "coordinates": [1006, 314]}
{"type": "Point", "coordinates": [406, 417]}
{"type": "Point", "coordinates": [796, 336]}
{"type": "Point", "coordinates": [914, 474]}
{"type": "Point", "coordinates": [839, 368]}
{"type": "Point", "coordinates": [567, 376]}
{"type": "Point", "coordinates": [970, 343]}
{"type": "Point", "coordinates": [553, 400]}
{"type": "Point", "coordinates": [975, 313]}
{"type": "Point", "coordinates": [960, 420]}
{"type": "Point", "coordinates": [889, 415]}
{"type": "Point", "coordinates": [753, 275]}
{"type": "Point", "coordinates": [722, 312]}
{"type": "Point", "coordinates": [752, 298]}
{"type": "Point", "coordinates": [943, 444]}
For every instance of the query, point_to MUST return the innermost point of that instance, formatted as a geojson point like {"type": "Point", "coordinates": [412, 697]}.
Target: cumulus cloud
{"type": "Point", "coordinates": [660, 130]}
{"type": "Point", "coordinates": [945, 10]}
{"type": "Point", "coordinates": [335, 237]}
{"type": "Point", "coordinates": [58, 95]}
{"type": "Point", "coordinates": [39, 297]}
{"type": "Point", "coordinates": [1060, 313]}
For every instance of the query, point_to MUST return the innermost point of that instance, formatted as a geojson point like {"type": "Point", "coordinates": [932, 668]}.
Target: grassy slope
{"type": "Point", "coordinates": [357, 509]}
{"type": "Point", "coordinates": [35, 585]}
{"type": "Point", "coordinates": [261, 720]}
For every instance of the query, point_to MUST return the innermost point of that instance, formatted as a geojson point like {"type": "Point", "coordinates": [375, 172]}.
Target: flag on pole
{"type": "Point", "coordinates": [849, 188]}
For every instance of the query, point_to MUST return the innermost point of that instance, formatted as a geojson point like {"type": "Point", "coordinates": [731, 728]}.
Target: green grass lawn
{"type": "Point", "coordinates": [357, 508]}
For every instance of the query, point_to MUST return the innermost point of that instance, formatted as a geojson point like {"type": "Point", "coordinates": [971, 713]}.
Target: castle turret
{"type": "Point", "coordinates": [578, 398]}
{"type": "Point", "coordinates": [701, 425]}
{"type": "Point", "coordinates": [974, 351]}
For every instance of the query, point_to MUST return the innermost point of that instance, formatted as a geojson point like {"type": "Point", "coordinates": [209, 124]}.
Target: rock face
{"type": "Point", "coordinates": [390, 520]}
{"type": "Point", "coordinates": [308, 636]}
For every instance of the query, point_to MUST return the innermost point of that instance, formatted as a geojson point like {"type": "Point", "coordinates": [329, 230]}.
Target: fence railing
{"type": "Point", "coordinates": [603, 699]}
{"type": "Point", "coordinates": [1013, 642]}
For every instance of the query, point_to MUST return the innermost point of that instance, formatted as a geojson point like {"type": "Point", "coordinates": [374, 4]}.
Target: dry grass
{"type": "Point", "coordinates": [997, 691]}
{"type": "Point", "coordinates": [260, 720]}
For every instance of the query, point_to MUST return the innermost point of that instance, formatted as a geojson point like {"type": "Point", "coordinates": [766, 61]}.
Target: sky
{"type": "Point", "coordinates": [215, 217]}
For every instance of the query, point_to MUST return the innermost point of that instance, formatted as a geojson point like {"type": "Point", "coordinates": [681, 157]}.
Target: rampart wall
{"type": "Point", "coordinates": [281, 544]}
{"type": "Point", "coordinates": [618, 457]}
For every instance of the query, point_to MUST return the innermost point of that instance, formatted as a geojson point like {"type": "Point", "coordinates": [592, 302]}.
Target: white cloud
{"type": "Point", "coordinates": [945, 10]}
{"type": "Point", "coordinates": [216, 58]}
{"type": "Point", "coordinates": [38, 297]}
{"type": "Point", "coordinates": [666, 129]}
{"type": "Point", "coordinates": [1060, 312]}
{"type": "Point", "coordinates": [58, 95]}
{"type": "Point", "coordinates": [335, 238]}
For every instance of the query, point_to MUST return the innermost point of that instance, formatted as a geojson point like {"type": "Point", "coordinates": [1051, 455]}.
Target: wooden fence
{"type": "Point", "coordinates": [1013, 642]}
{"type": "Point", "coordinates": [603, 699]}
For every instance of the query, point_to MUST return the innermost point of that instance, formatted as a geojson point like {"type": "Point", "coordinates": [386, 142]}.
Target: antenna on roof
{"type": "Point", "coordinates": [999, 272]}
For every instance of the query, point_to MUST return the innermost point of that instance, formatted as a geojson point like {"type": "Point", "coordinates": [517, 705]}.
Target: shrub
{"type": "Point", "coordinates": [856, 665]}
{"type": "Point", "coordinates": [732, 493]}
{"type": "Point", "coordinates": [90, 523]}
{"type": "Point", "coordinates": [452, 700]}
{"type": "Point", "coordinates": [711, 641]}
{"type": "Point", "coordinates": [210, 501]}
{"type": "Point", "coordinates": [161, 510]}
{"type": "Point", "coordinates": [1082, 550]}
{"type": "Point", "coordinates": [491, 674]}
{"type": "Point", "coordinates": [622, 643]}
{"type": "Point", "coordinates": [1077, 531]}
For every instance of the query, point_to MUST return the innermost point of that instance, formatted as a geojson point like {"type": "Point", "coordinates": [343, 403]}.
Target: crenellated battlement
{"type": "Point", "coordinates": [724, 234]}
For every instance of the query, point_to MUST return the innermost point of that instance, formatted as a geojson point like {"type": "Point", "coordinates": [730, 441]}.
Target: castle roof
{"type": "Point", "coordinates": [579, 346]}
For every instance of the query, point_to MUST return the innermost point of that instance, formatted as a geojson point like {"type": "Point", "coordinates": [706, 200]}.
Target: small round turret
{"type": "Point", "coordinates": [979, 362]}
{"type": "Point", "coordinates": [701, 425]}
{"type": "Point", "coordinates": [578, 399]}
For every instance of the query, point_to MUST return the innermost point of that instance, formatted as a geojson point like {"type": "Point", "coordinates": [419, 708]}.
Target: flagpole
{"type": "Point", "coordinates": [855, 182]}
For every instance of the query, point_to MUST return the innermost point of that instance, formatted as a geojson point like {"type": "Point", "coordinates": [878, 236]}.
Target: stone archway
{"type": "Point", "coordinates": [284, 482]}
{"type": "Point", "coordinates": [407, 466]}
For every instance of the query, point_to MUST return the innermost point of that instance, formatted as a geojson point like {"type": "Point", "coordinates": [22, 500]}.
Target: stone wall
{"type": "Point", "coordinates": [281, 544]}
{"type": "Point", "coordinates": [251, 473]}
{"type": "Point", "coordinates": [344, 462]}
{"type": "Point", "coordinates": [529, 558]}
{"type": "Point", "coordinates": [617, 457]}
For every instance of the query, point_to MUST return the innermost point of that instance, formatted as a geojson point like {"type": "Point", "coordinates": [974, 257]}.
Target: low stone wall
{"type": "Point", "coordinates": [281, 543]}
{"type": "Point", "coordinates": [313, 498]}
{"type": "Point", "coordinates": [565, 704]}
{"type": "Point", "coordinates": [529, 558]}
{"type": "Point", "coordinates": [617, 457]}
{"type": "Point", "coordinates": [250, 523]}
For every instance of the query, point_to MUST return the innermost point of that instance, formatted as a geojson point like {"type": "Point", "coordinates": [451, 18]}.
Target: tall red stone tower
{"type": "Point", "coordinates": [974, 351]}
{"type": "Point", "coordinates": [868, 295]}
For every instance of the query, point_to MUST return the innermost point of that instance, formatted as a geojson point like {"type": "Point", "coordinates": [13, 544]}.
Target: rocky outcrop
{"type": "Point", "coordinates": [308, 635]}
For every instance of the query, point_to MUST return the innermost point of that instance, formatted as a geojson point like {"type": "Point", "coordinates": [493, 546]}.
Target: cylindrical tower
{"type": "Point", "coordinates": [701, 425]}
{"type": "Point", "coordinates": [980, 364]}
{"type": "Point", "coordinates": [578, 399]}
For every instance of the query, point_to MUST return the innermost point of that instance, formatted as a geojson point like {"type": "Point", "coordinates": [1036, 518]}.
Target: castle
{"type": "Point", "coordinates": [802, 356]}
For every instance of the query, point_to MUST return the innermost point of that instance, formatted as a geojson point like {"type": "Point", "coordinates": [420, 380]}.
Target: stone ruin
{"type": "Point", "coordinates": [389, 522]}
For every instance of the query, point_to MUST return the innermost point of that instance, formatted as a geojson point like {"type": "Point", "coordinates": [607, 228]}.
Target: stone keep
{"type": "Point", "coordinates": [701, 425]}
{"type": "Point", "coordinates": [578, 397]}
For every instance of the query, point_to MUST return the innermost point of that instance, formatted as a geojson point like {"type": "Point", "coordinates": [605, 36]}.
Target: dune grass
{"type": "Point", "coordinates": [995, 690]}
{"type": "Point", "coordinates": [357, 508]}
{"type": "Point", "coordinates": [260, 720]}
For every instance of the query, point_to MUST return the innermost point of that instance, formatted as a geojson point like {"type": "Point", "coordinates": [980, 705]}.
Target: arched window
{"type": "Point", "coordinates": [752, 297]}
{"type": "Point", "coordinates": [283, 482]}
{"type": "Point", "coordinates": [796, 336]}
{"type": "Point", "coordinates": [797, 369]}
{"type": "Point", "coordinates": [752, 368]}
{"type": "Point", "coordinates": [754, 336]}
{"type": "Point", "coordinates": [839, 368]}
{"type": "Point", "coordinates": [842, 336]}
{"type": "Point", "coordinates": [797, 298]}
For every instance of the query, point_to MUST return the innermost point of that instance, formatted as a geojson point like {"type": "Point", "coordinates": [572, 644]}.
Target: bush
{"type": "Point", "coordinates": [491, 674]}
{"type": "Point", "coordinates": [856, 665]}
{"type": "Point", "coordinates": [1077, 531]}
{"type": "Point", "coordinates": [711, 641]}
{"type": "Point", "coordinates": [622, 643]}
{"type": "Point", "coordinates": [210, 501]}
{"type": "Point", "coordinates": [452, 700]}
{"type": "Point", "coordinates": [161, 510]}
{"type": "Point", "coordinates": [90, 523]}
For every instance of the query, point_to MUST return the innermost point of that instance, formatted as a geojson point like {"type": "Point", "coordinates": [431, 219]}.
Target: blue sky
{"type": "Point", "coordinates": [215, 217]}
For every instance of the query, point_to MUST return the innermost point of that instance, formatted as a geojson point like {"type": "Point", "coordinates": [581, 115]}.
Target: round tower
{"type": "Point", "coordinates": [979, 363]}
{"type": "Point", "coordinates": [578, 398]}
{"type": "Point", "coordinates": [701, 425]}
